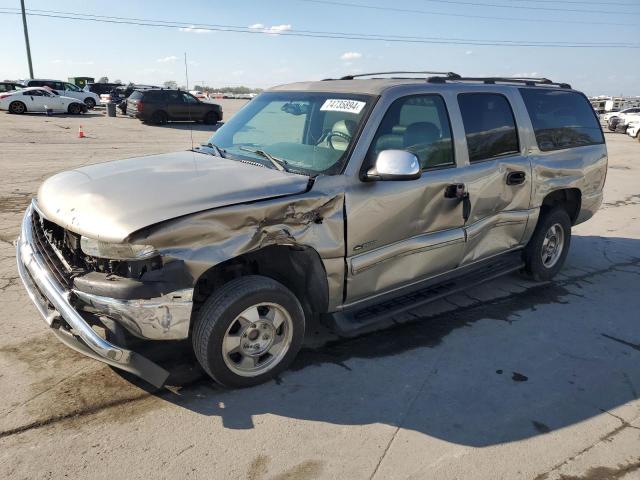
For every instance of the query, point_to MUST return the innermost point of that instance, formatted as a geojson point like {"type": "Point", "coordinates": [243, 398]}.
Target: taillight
{"type": "Point", "coordinates": [140, 105]}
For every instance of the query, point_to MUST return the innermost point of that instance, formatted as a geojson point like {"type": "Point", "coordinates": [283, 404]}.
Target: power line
{"type": "Point", "coordinates": [334, 35]}
{"type": "Point", "coordinates": [464, 15]}
{"type": "Point", "coordinates": [524, 7]}
{"type": "Point", "coordinates": [597, 3]}
{"type": "Point", "coordinates": [316, 32]}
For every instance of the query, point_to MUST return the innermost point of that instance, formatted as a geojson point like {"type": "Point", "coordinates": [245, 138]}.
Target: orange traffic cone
{"type": "Point", "coordinates": [80, 132]}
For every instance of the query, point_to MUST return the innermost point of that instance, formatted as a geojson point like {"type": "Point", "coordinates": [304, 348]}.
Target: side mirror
{"type": "Point", "coordinates": [395, 165]}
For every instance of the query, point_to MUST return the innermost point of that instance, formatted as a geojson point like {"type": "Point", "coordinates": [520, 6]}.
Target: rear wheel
{"type": "Point", "coordinates": [90, 102]}
{"type": "Point", "coordinates": [248, 331]}
{"type": "Point", "coordinates": [159, 118]}
{"type": "Point", "coordinates": [547, 250]}
{"type": "Point", "coordinates": [211, 118]}
{"type": "Point", "coordinates": [74, 109]}
{"type": "Point", "coordinates": [17, 107]}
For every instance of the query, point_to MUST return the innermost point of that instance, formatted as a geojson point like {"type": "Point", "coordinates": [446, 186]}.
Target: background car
{"type": "Point", "coordinates": [10, 86]}
{"type": "Point", "coordinates": [38, 99]}
{"type": "Point", "coordinates": [198, 94]}
{"type": "Point", "coordinates": [633, 128]}
{"type": "Point", "coordinates": [159, 106]}
{"type": "Point", "coordinates": [101, 88]}
{"type": "Point", "coordinates": [66, 89]}
{"type": "Point", "coordinates": [607, 116]}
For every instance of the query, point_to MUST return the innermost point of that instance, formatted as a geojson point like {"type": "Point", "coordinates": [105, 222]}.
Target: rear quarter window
{"type": "Point", "coordinates": [561, 119]}
{"type": "Point", "coordinates": [135, 96]}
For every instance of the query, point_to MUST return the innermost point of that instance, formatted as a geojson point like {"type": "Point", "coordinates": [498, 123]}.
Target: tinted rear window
{"type": "Point", "coordinates": [489, 125]}
{"type": "Point", "coordinates": [561, 119]}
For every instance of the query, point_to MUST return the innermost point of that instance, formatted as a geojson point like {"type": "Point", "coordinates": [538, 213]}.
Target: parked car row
{"type": "Point", "coordinates": [146, 102]}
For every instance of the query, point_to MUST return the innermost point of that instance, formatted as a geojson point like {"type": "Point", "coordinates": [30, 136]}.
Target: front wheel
{"type": "Point", "coordinates": [211, 118]}
{"type": "Point", "coordinates": [90, 103]}
{"type": "Point", "coordinates": [74, 109]}
{"type": "Point", "coordinates": [547, 250]}
{"type": "Point", "coordinates": [248, 331]}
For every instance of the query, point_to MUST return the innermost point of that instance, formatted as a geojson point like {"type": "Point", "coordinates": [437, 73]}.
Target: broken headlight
{"type": "Point", "coordinates": [116, 251]}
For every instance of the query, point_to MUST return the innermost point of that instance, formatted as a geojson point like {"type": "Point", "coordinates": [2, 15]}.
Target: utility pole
{"type": "Point", "coordinates": [26, 38]}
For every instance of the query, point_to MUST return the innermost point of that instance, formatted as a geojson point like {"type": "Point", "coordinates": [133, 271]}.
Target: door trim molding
{"type": "Point", "coordinates": [419, 243]}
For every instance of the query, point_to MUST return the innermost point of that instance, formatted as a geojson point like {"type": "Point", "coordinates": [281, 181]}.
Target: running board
{"type": "Point", "coordinates": [358, 320]}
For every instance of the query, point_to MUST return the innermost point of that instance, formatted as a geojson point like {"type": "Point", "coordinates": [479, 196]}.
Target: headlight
{"type": "Point", "coordinates": [116, 251]}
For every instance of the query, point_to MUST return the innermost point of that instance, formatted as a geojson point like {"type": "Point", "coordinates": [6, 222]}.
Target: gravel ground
{"type": "Point", "coordinates": [511, 380]}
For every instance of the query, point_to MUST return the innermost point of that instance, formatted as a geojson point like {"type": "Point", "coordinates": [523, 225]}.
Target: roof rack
{"type": "Point", "coordinates": [493, 80]}
{"type": "Point", "coordinates": [449, 75]}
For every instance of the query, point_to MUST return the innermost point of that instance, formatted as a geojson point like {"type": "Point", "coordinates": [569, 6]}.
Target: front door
{"type": "Point", "coordinates": [401, 232]}
{"type": "Point", "coordinates": [497, 178]}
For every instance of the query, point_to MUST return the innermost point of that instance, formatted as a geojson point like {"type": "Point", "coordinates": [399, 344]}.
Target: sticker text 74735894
{"type": "Point", "coordinates": [342, 105]}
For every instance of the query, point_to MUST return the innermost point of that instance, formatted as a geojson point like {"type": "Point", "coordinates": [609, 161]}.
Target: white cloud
{"type": "Point", "coordinates": [276, 29]}
{"type": "Point", "coordinates": [526, 75]}
{"type": "Point", "coordinates": [170, 58]}
{"type": "Point", "coordinates": [237, 73]}
{"type": "Point", "coordinates": [193, 29]}
{"type": "Point", "coordinates": [469, 52]}
{"type": "Point", "coordinates": [73, 62]}
{"type": "Point", "coordinates": [351, 56]}
{"type": "Point", "coordinates": [272, 30]}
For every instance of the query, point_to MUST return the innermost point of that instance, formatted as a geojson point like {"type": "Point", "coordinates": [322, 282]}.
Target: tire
{"type": "Point", "coordinates": [540, 264]}
{"type": "Point", "coordinates": [159, 118]}
{"type": "Point", "coordinates": [211, 118]}
{"type": "Point", "coordinates": [74, 109]}
{"type": "Point", "coordinates": [90, 103]}
{"type": "Point", "coordinates": [223, 340]}
{"type": "Point", "coordinates": [17, 108]}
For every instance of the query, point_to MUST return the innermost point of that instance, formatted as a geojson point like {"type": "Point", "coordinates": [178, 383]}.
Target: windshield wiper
{"type": "Point", "coordinates": [220, 152]}
{"type": "Point", "coordinates": [276, 162]}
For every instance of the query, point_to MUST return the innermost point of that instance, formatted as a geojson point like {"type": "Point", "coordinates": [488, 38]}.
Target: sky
{"type": "Point", "coordinates": [63, 48]}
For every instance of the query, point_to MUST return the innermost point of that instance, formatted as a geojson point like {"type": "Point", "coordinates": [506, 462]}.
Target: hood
{"type": "Point", "coordinates": [109, 201]}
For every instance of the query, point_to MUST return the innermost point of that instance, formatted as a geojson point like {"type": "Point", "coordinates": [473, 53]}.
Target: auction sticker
{"type": "Point", "coordinates": [342, 105]}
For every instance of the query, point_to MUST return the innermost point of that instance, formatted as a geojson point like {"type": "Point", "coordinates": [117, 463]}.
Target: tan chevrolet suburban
{"type": "Point", "coordinates": [345, 201]}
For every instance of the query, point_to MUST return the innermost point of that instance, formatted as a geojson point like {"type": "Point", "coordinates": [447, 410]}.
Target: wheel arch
{"type": "Point", "coordinates": [570, 199]}
{"type": "Point", "coordinates": [299, 268]}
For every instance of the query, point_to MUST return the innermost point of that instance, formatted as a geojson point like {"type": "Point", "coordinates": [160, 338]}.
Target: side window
{"type": "Point", "coordinates": [35, 83]}
{"type": "Point", "coordinates": [34, 93]}
{"type": "Point", "coordinates": [420, 125]}
{"type": "Point", "coordinates": [186, 98]}
{"type": "Point", "coordinates": [71, 87]}
{"type": "Point", "coordinates": [561, 119]}
{"type": "Point", "coordinates": [489, 125]}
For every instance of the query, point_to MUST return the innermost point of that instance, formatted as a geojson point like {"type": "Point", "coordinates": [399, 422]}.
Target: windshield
{"type": "Point", "coordinates": [307, 132]}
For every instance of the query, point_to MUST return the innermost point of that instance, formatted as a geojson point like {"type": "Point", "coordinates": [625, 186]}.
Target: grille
{"type": "Point", "coordinates": [50, 241]}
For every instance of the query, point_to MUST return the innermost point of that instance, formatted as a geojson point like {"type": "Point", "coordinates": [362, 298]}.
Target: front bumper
{"type": "Point", "coordinates": [54, 302]}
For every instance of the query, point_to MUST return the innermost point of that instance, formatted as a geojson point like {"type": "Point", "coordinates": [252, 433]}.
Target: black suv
{"type": "Point", "coordinates": [162, 105]}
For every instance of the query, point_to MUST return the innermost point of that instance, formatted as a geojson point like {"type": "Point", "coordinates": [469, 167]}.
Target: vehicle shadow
{"type": "Point", "coordinates": [521, 359]}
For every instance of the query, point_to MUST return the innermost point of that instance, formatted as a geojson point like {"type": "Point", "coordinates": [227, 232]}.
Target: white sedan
{"type": "Point", "coordinates": [37, 99]}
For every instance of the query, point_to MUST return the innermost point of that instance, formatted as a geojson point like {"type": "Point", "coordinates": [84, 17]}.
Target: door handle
{"type": "Point", "coordinates": [459, 192]}
{"type": "Point", "coordinates": [516, 178]}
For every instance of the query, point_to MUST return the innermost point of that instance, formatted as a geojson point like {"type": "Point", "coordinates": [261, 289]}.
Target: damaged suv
{"type": "Point", "coordinates": [346, 201]}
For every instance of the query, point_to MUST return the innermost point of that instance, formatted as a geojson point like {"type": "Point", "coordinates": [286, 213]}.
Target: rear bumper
{"type": "Point", "coordinates": [53, 302]}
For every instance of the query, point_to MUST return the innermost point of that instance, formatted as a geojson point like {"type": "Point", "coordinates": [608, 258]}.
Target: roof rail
{"type": "Point", "coordinates": [450, 75]}
{"type": "Point", "coordinates": [493, 80]}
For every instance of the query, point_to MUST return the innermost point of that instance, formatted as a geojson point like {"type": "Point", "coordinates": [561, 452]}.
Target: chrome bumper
{"type": "Point", "coordinates": [53, 302]}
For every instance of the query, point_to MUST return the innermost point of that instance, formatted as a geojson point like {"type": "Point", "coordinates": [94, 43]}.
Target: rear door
{"type": "Point", "coordinates": [497, 177]}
